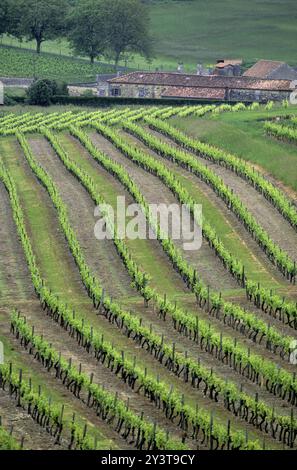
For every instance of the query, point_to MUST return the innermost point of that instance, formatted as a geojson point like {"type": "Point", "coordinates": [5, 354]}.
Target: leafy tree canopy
{"type": "Point", "coordinates": [127, 28]}
{"type": "Point", "coordinates": [6, 16]}
{"type": "Point", "coordinates": [87, 29]}
{"type": "Point", "coordinates": [113, 28]}
{"type": "Point", "coordinates": [40, 20]}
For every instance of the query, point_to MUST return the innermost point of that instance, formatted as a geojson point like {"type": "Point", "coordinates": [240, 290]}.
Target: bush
{"type": "Point", "coordinates": [58, 88]}
{"type": "Point", "coordinates": [88, 94]}
{"type": "Point", "coordinates": [61, 89]}
{"type": "Point", "coordinates": [9, 101]}
{"type": "Point", "coordinates": [41, 92]}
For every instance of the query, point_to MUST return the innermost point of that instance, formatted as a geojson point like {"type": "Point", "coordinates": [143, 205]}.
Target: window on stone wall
{"type": "Point", "coordinates": [257, 95]}
{"type": "Point", "coordinates": [115, 92]}
{"type": "Point", "coordinates": [141, 92]}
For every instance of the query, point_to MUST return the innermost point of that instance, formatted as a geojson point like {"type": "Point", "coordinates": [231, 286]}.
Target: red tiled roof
{"type": "Point", "coordinates": [198, 93]}
{"type": "Point", "coordinates": [263, 68]}
{"type": "Point", "coordinates": [211, 81]}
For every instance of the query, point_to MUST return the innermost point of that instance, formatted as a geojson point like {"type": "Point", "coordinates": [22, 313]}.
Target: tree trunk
{"type": "Point", "coordinates": [92, 59]}
{"type": "Point", "coordinates": [38, 45]}
{"type": "Point", "coordinates": [116, 61]}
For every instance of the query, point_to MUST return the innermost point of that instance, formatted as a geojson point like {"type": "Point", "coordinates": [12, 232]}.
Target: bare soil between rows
{"type": "Point", "coordinates": [101, 255]}
{"type": "Point", "coordinates": [155, 192]}
{"type": "Point", "coordinates": [223, 368]}
{"type": "Point", "coordinates": [24, 427]}
{"type": "Point", "coordinates": [279, 230]}
{"type": "Point", "coordinates": [228, 215]}
{"type": "Point", "coordinates": [257, 253]}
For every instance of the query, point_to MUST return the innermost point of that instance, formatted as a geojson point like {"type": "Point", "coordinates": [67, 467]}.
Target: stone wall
{"type": "Point", "coordinates": [103, 89]}
{"type": "Point", "coordinates": [155, 92]}
{"type": "Point", "coordinates": [19, 82]}
{"type": "Point", "coordinates": [81, 91]}
{"type": "Point", "coordinates": [137, 91]}
{"type": "Point", "coordinates": [257, 95]}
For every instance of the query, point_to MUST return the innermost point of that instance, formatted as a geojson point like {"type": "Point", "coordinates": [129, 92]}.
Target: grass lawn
{"type": "Point", "coordinates": [201, 32]}
{"type": "Point", "coordinates": [15, 91]}
{"type": "Point", "coordinates": [243, 134]}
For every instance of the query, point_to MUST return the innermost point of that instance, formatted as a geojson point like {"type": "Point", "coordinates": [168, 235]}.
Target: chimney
{"type": "Point", "coordinates": [199, 69]}
{"type": "Point", "coordinates": [180, 68]}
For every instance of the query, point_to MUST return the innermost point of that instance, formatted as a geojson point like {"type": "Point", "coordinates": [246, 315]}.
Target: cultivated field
{"type": "Point", "coordinates": [140, 344]}
{"type": "Point", "coordinates": [17, 62]}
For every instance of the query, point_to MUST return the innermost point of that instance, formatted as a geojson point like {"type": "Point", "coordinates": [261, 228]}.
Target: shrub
{"type": "Point", "coordinates": [41, 92]}
{"type": "Point", "coordinates": [9, 101]}
{"type": "Point", "coordinates": [88, 93]}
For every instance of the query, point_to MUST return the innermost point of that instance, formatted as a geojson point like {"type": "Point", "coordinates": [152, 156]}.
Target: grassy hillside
{"type": "Point", "coordinates": [199, 31]}
{"type": "Point", "coordinates": [243, 134]}
{"type": "Point", "coordinates": [192, 32]}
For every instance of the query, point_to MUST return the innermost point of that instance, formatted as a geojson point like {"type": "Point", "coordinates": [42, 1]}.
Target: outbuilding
{"type": "Point", "coordinates": [162, 85]}
{"type": "Point", "coordinates": [271, 70]}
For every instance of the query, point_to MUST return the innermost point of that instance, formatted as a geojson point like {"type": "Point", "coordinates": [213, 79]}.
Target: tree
{"type": "Point", "coordinates": [126, 28]}
{"type": "Point", "coordinates": [40, 20]}
{"type": "Point", "coordinates": [3, 16]}
{"type": "Point", "coordinates": [6, 16]}
{"type": "Point", "coordinates": [41, 92]}
{"type": "Point", "coordinates": [86, 29]}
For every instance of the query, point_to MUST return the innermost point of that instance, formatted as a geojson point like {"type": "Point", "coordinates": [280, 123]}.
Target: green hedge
{"type": "Point", "coordinates": [107, 101]}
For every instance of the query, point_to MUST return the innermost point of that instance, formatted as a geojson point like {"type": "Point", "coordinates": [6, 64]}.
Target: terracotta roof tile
{"type": "Point", "coordinates": [199, 93]}
{"type": "Point", "coordinates": [211, 81]}
{"type": "Point", "coordinates": [263, 68]}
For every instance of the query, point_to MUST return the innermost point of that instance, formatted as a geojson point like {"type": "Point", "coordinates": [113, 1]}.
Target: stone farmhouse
{"type": "Point", "coordinates": [271, 70]}
{"type": "Point", "coordinates": [161, 85]}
